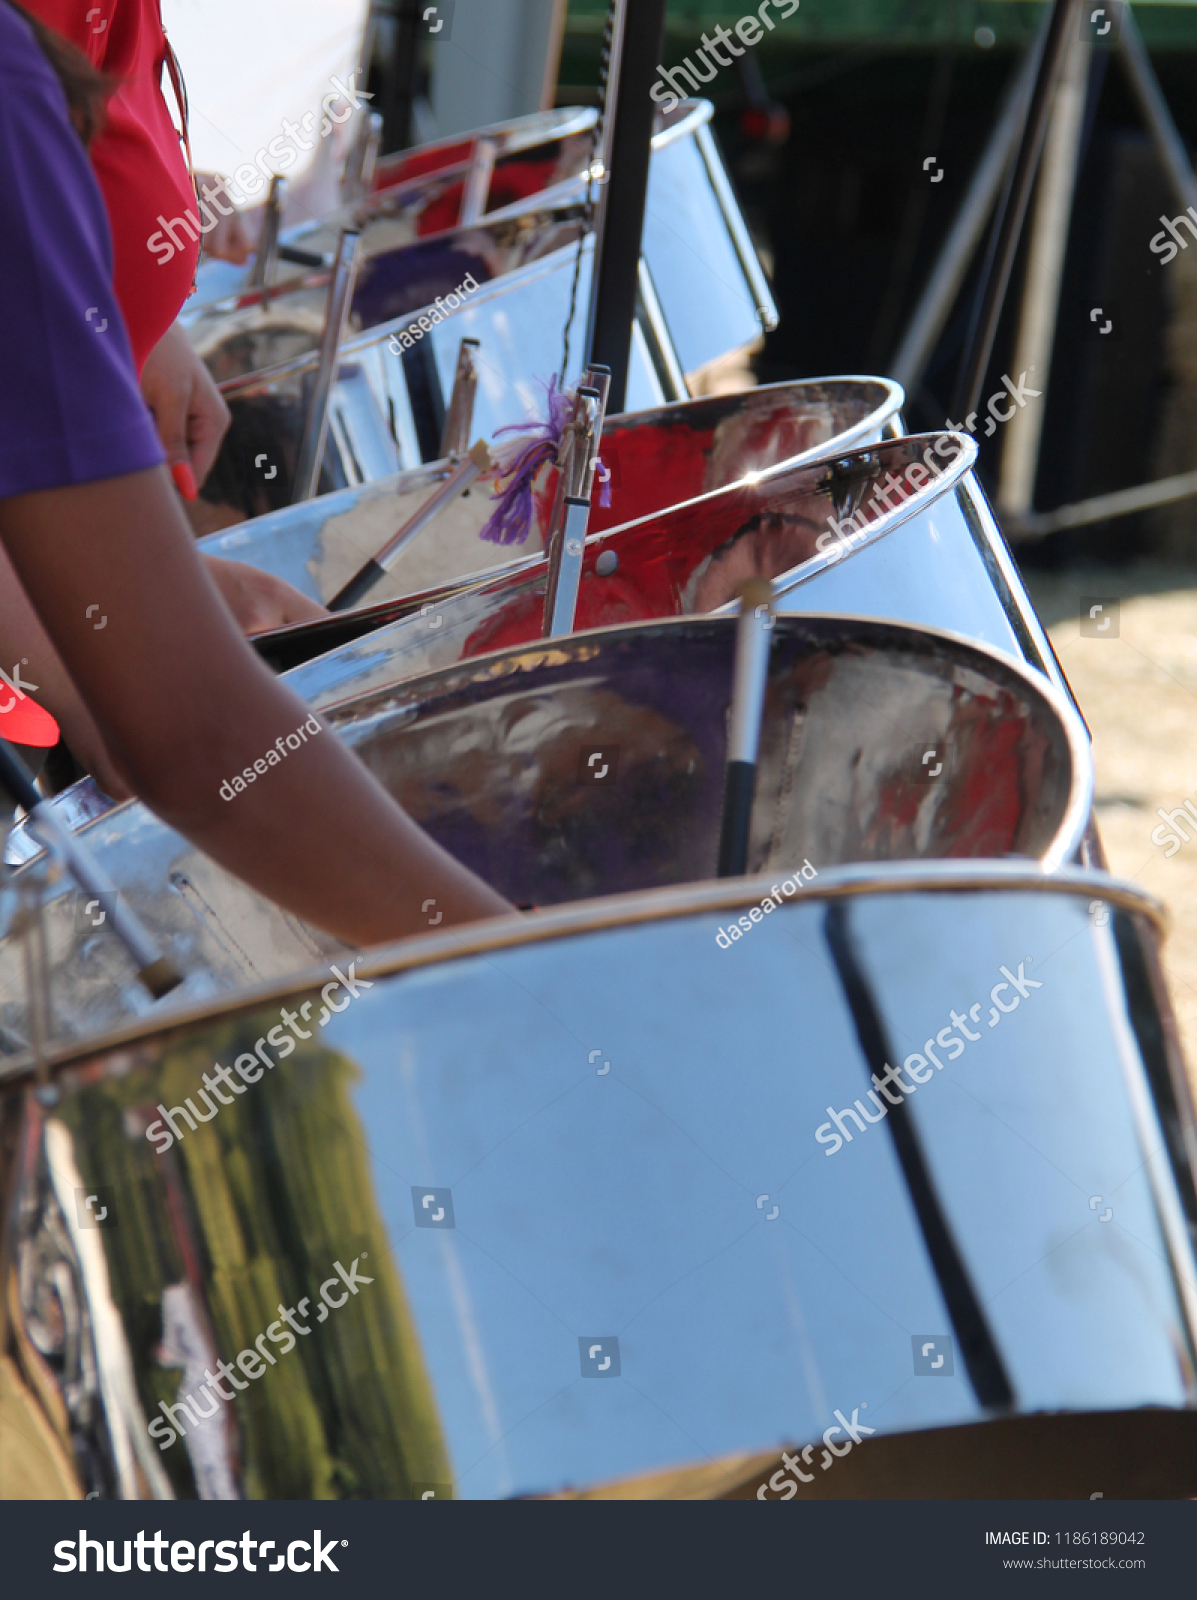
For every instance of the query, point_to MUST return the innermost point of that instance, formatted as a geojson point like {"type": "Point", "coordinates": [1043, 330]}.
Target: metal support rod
{"type": "Point", "coordinates": [567, 536]}
{"type": "Point", "coordinates": [262, 274]}
{"type": "Point", "coordinates": [754, 636]}
{"type": "Point", "coordinates": [639, 40]}
{"type": "Point", "coordinates": [930, 315]}
{"type": "Point", "coordinates": [476, 190]}
{"type": "Point", "coordinates": [1102, 507]}
{"type": "Point", "coordinates": [153, 968]}
{"type": "Point", "coordinates": [1145, 86]}
{"type": "Point", "coordinates": [459, 418]}
{"type": "Point", "coordinates": [1011, 213]}
{"type": "Point", "coordinates": [661, 350]}
{"type": "Point", "coordinates": [459, 480]}
{"type": "Point", "coordinates": [750, 262]}
{"type": "Point", "coordinates": [358, 174]}
{"type": "Point", "coordinates": [1044, 276]}
{"type": "Point", "coordinates": [315, 430]}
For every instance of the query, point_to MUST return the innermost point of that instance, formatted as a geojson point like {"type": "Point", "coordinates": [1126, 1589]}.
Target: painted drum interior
{"type": "Point", "coordinates": [595, 764]}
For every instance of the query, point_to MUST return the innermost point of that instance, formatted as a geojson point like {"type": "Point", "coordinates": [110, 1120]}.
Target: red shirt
{"type": "Point", "coordinates": [138, 159]}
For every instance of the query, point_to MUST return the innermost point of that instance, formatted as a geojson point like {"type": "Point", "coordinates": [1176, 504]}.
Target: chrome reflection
{"type": "Point", "coordinates": [880, 742]}
{"type": "Point", "coordinates": [936, 559]}
{"type": "Point", "coordinates": [601, 1204]}
{"type": "Point", "coordinates": [518, 264]}
{"type": "Point", "coordinates": [650, 460]}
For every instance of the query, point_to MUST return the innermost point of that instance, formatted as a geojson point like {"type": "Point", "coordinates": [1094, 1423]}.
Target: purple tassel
{"type": "Point", "coordinates": [511, 520]}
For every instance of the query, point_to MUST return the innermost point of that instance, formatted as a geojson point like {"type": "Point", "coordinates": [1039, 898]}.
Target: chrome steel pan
{"type": "Point", "coordinates": [420, 192]}
{"type": "Point", "coordinates": [937, 559]}
{"type": "Point", "coordinates": [653, 1269]}
{"type": "Point", "coordinates": [651, 460]}
{"type": "Point", "coordinates": [702, 295]}
{"type": "Point", "coordinates": [493, 759]}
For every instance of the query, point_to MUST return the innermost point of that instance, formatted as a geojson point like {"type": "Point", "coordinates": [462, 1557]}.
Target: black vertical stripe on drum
{"type": "Point", "coordinates": [426, 396]}
{"type": "Point", "coordinates": [982, 1359]}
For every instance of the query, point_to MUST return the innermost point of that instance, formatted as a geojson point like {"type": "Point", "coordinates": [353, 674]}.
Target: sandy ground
{"type": "Point", "coordinates": [1138, 692]}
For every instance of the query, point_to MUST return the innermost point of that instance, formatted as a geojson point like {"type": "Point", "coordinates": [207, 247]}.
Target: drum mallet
{"type": "Point", "coordinates": [156, 972]}
{"type": "Point", "coordinates": [459, 480]}
{"type": "Point", "coordinates": [754, 633]}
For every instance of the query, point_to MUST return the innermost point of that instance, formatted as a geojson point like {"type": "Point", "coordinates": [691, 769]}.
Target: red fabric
{"type": "Point", "coordinates": [138, 159]}
{"type": "Point", "coordinates": [511, 181]}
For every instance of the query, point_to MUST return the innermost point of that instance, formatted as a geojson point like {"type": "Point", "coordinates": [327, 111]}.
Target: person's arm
{"type": "Point", "coordinates": [257, 600]}
{"type": "Point", "coordinates": [183, 704]}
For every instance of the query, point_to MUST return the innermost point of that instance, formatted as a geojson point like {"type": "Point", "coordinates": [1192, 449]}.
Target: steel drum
{"type": "Point", "coordinates": [937, 559]}
{"type": "Point", "coordinates": [494, 759]}
{"type": "Point", "coordinates": [418, 193]}
{"type": "Point", "coordinates": [651, 460]}
{"type": "Point", "coordinates": [654, 1270]}
{"type": "Point", "coordinates": [532, 262]}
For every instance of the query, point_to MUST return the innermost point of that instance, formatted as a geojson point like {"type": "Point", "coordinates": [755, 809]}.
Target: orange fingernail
{"type": "Point", "coordinates": [184, 480]}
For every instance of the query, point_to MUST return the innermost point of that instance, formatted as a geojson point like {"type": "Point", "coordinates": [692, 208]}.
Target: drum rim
{"type": "Point", "coordinates": [949, 479]}
{"type": "Point", "coordinates": [382, 332]}
{"type": "Point", "coordinates": [635, 909]}
{"type": "Point", "coordinates": [430, 473]}
{"type": "Point", "coordinates": [952, 477]}
{"type": "Point", "coordinates": [559, 121]}
{"type": "Point", "coordinates": [492, 664]}
{"type": "Point", "coordinates": [560, 207]}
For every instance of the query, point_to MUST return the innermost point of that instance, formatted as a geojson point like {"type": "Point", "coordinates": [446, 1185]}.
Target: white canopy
{"type": "Point", "coordinates": [249, 67]}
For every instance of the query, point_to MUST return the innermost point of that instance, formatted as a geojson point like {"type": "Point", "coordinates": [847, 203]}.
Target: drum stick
{"type": "Point", "coordinates": [459, 418]}
{"type": "Point", "coordinates": [753, 638]}
{"type": "Point", "coordinates": [475, 464]}
{"type": "Point", "coordinates": [153, 968]}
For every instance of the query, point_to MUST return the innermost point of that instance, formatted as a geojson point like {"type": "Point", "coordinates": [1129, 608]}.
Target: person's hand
{"type": "Point", "coordinates": [258, 600]}
{"type": "Point", "coordinates": [229, 240]}
{"type": "Point", "coordinates": [189, 413]}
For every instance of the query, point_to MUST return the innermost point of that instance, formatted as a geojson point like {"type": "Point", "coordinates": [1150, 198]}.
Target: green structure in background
{"type": "Point", "coordinates": [916, 24]}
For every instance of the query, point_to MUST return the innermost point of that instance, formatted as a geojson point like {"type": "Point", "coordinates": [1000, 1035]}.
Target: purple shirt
{"type": "Point", "coordinates": [70, 410]}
